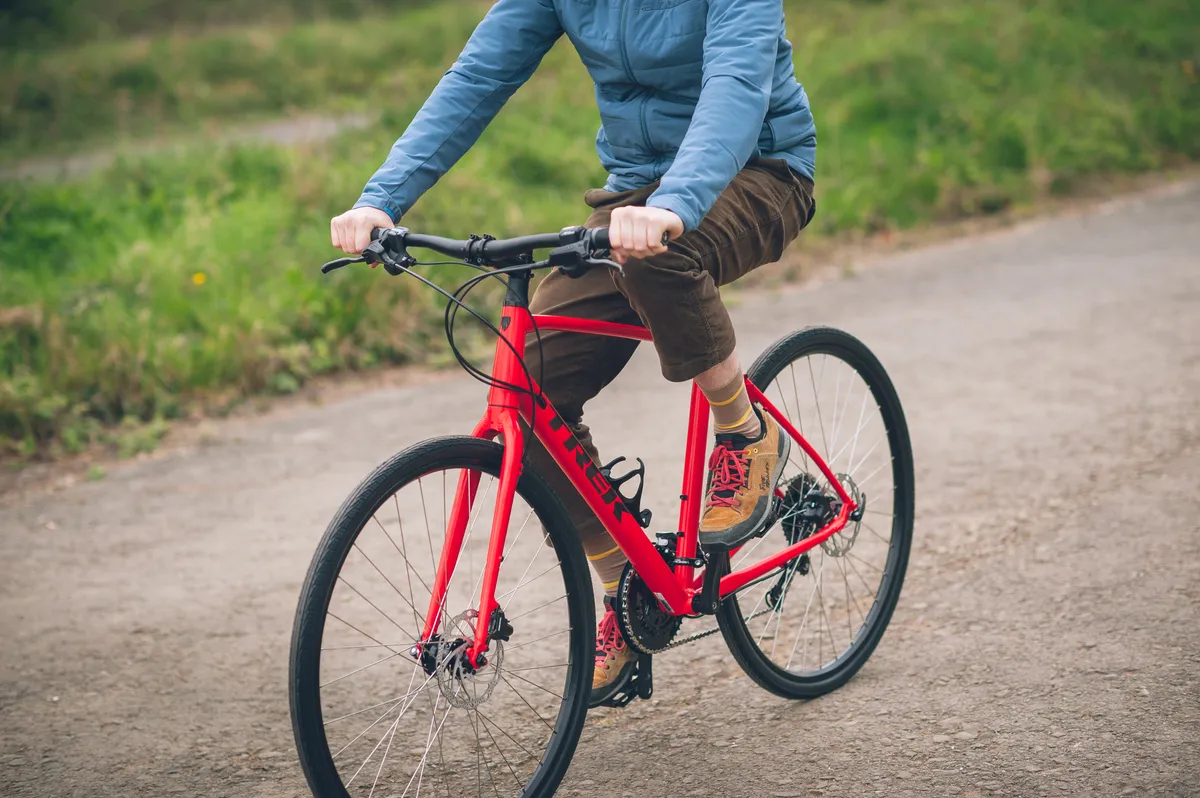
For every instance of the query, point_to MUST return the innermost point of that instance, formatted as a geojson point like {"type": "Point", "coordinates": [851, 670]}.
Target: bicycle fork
{"type": "Point", "coordinates": [501, 419]}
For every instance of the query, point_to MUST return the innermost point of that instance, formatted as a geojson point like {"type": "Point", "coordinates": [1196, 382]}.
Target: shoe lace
{"type": "Point", "coordinates": [608, 637]}
{"type": "Point", "coordinates": [729, 469]}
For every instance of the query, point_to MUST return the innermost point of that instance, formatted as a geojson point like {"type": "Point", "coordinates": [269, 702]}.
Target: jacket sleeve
{"type": "Point", "coordinates": [740, 45]}
{"type": "Point", "coordinates": [500, 56]}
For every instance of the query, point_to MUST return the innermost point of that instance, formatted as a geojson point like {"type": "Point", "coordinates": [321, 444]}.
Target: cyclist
{"type": "Point", "coordinates": [707, 137]}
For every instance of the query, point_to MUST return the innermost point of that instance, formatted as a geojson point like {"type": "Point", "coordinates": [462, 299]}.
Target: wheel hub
{"type": "Point", "coordinates": [461, 682]}
{"type": "Point", "coordinates": [839, 545]}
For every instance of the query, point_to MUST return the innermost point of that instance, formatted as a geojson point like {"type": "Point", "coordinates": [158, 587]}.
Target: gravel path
{"type": "Point", "coordinates": [1047, 642]}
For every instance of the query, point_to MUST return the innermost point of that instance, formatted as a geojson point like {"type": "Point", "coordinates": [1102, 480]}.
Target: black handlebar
{"type": "Point", "coordinates": [484, 250]}
{"type": "Point", "coordinates": [573, 249]}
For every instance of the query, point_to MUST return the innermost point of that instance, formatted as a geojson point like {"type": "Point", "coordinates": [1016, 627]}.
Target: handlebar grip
{"type": "Point", "coordinates": [600, 238]}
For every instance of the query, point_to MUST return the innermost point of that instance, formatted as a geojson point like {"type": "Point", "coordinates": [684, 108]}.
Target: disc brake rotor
{"type": "Point", "coordinates": [461, 684]}
{"type": "Point", "coordinates": [839, 545]}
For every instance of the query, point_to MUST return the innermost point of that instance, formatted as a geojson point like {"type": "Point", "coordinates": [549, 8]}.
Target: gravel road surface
{"type": "Point", "coordinates": [1047, 641]}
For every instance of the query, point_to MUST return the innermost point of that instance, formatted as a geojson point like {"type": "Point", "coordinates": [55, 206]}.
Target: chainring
{"type": "Point", "coordinates": [643, 622]}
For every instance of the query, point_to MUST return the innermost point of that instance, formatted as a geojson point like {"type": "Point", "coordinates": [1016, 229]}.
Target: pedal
{"type": "Point", "coordinates": [640, 684]}
{"type": "Point", "coordinates": [635, 503]}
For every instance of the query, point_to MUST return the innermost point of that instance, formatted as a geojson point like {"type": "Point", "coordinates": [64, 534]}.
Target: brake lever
{"type": "Point", "coordinates": [606, 262]}
{"type": "Point", "coordinates": [339, 263]}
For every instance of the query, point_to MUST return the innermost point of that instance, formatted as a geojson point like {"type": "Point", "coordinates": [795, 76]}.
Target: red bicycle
{"type": "Point", "coordinates": [436, 651]}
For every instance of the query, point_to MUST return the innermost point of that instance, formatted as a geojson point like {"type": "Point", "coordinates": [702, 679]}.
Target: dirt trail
{"type": "Point", "coordinates": [1047, 642]}
{"type": "Point", "coordinates": [298, 129]}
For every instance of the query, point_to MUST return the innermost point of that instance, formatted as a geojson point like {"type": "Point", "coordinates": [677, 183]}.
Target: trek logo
{"type": "Point", "coordinates": [607, 492]}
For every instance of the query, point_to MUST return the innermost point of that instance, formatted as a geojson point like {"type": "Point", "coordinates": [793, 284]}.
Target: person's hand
{"type": "Point", "coordinates": [637, 232]}
{"type": "Point", "coordinates": [351, 232]}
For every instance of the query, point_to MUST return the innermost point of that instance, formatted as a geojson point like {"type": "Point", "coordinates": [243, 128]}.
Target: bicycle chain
{"type": "Point", "coordinates": [708, 633]}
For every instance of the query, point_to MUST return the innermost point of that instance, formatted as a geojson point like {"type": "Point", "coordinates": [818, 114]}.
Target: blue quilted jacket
{"type": "Point", "coordinates": [689, 91]}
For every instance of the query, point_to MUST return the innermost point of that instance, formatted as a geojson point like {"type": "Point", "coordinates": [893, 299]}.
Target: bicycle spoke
{"type": "Point", "coordinates": [392, 701]}
{"type": "Point", "coordinates": [863, 482]}
{"type": "Point", "coordinates": [538, 667]}
{"type": "Point", "coordinates": [803, 623]}
{"type": "Point", "coordinates": [499, 750]}
{"type": "Point", "coordinates": [849, 619]}
{"type": "Point", "coordinates": [372, 754]}
{"type": "Point", "coordinates": [817, 399]}
{"type": "Point", "coordinates": [870, 591]}
{"type": "Point", "coordinates": [479, 760]}
{"type": "Point", "coordinates": [538, 640]}
{"type": "Point", "coordinates": [374, 719]}
{"type": "Point", "coordinates": [425, 513]}
{"type": "Point", "coordinates": [516, 742]}
{"type": "Point", "coordinates": [525, 702]}
{"type": "Point", "coordinates": [538, 607]}
{"type": "Point", "coordinates": [864, 562]}
{"type": "Point", "coordinates": [522, 584]}
{"type": "Point", "coordinates": [882, 539]}
{"type": "Point", "coordinates": [383, 761]}
{"type": "Point", "coordinates": [799, 422]}
{"type": "Point", "coordinates": [360, 670]}
{"type": "Point", "coordinates": [420, 771]}
{"type": "Point", "coordinates": [364, 634]}
{"type": "Point", "coordinates": [418, 623]}
{"type": "Point", "coordinates": [511, 547]}
{"type": "Point", "coordinates": [833, 433]}
{"type": "Point", "coordinates": [862, 410]}
{"type": "Point", "coordinates": [414, 694]}
{"type": "Point", "coordinates": [744, 555]}
{"type": "Point", "coordinates": [860, 434]}
{"type": "Point", "coordinates": [374, 607]}
{"type": "Point", "coordinates": [535, 684]}
{"type": "Point", "coordinates": [821, 601]}
{"type": "Point", "coordinates": [402, 549]}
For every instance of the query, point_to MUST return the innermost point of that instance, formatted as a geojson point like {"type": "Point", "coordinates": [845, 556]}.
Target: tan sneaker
{"type": "Point", "coordinates": [742, 475]}
{"type": "Point", "coordinates": [615, 659]}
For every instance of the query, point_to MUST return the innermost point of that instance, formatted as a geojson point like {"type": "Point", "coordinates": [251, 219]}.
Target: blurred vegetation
{"type": "Point", "coordinates": [40, 24]}
{"type": "Point", "coordinates": [188, 280]}
{"type": "Point", "coordinates": [106, 91]}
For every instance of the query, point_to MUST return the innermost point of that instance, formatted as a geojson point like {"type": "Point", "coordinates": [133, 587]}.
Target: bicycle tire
{"type": "Point", "coordinates": [355, 513]}
{"type": "Point", "coordinates": [734, 626]}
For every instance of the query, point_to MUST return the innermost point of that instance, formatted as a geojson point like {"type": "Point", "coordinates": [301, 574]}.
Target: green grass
{"type": "Point", "coordinates": [189, 280]}
{"type": "Point", "coordinates": [46, 24]}
{"type": "Point", "coordinates": [111, 91]}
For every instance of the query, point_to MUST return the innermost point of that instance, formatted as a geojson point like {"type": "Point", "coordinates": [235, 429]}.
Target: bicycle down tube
{"type": "Point", "coordinates": [675, 588]}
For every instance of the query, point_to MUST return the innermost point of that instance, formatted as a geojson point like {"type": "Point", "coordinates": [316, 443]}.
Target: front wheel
{"type": "Point", "coordinates": [805, 629]}
{"type": "Point", "coordinates": [370, 719]}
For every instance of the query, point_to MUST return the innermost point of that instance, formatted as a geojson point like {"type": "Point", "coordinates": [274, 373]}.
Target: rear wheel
{"type": "Point", "coordinates": [369, 718]}
{"type": "Point", "coordinates": [808, 627]}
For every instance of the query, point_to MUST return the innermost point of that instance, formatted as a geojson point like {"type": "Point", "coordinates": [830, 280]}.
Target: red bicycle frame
{"type": "Point", "coordinates": [675, 587]}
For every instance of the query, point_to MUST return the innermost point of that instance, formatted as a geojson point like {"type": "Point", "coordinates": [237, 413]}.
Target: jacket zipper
{"type": "Point", "coordinates": [629, 74]}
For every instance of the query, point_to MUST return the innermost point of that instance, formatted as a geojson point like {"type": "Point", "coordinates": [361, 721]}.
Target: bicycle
{"type": "Point", "coordinates": [423, 659]}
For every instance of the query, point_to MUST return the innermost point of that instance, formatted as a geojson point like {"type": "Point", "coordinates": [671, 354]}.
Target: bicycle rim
{"type": "Point", "coordinates": [369, 718]}
{"type": "Point", "coordinates": [813, 623]}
